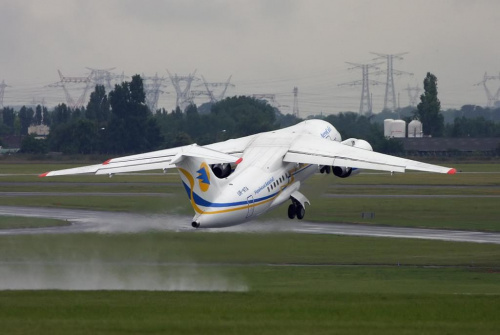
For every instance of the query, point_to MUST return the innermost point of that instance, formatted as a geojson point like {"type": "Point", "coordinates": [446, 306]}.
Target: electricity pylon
{"type": "Point", "coordinates": [390, 93]}
{"type": "Point", "coordinates": [413, 93]}
{"type": "Point", "coordinates": [75, 80]}
{"type": "Point", "coordinates": [103, 77]}
{"type": "Point", "coordinates": [365, 106]}
{"type": "Point", "coordinates": [184, 96]}
{"type": "Point", "coordinates": [210, 92]}
{"type": "Point", "coordinates": [3, 85]}
{"type": "Point", "coordinates": [295, 110]}
{"type": "Point", "coordinates": [152, 89]}
{"type": "Point", "coordinates": [492, 99]}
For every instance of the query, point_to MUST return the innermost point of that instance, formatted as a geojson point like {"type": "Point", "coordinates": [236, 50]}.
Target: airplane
{"type": "Point", "coordinates": [237, 180]}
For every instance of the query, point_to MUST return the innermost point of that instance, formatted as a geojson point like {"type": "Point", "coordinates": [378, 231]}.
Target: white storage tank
{"type": "Point", "coordinates": [415, 129]}
{"type": "Point", "coordinates": [398, 128]}
{"type": "Point", "coordinates": [388, 127]}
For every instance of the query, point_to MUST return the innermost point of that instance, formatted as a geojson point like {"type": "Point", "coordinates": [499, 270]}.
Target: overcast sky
{"type": "Point", "coordinates": [268, 46]}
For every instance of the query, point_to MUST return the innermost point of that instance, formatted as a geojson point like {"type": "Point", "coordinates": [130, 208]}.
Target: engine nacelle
{"type": "Point", "coordinates": [343, 171]}
{"type": "Point", "coordinates": [357, 143]}
{"type": "Point", "coordinates": [221, 170]}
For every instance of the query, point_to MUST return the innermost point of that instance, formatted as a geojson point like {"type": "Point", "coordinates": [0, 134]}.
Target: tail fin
{"type": "Point", "coordinates": [201, 185]}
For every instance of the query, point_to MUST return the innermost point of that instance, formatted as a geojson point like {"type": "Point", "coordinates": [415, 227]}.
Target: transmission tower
{"type": "Point", "coordinates": [184, 95]}
{"type": "Point", "coordinates": [152, 89]}
{"type": "Point", "coordinates": [103, 77]}
{"type": "Point", "coordinates": [390, 93]}
{"type": "Point", "coordinates": [365, 106]}
{"type": "Point", "coordinates": [295, 110]}
{"type": "Point", "coordinates": [215, 98]}
{"type": "Point", "coordinates": [75, 80]}
{"type": "Point", "coordinates": [413, 93]}
{"type": "Point", "coordinates": [493, 100]}
{"type": "Point", "coordinates": [3, 85]}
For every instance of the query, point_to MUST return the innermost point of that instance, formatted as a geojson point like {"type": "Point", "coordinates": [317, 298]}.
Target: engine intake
{"type": "Point", "coordinates": [341, 171]}
{"type": "Point", "coordinates": [221, 170]}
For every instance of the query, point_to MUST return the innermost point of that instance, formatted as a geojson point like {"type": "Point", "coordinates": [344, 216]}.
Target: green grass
{"type": "Point", "coordinates": [326, 293]}
{"type": "Point", "coordinates": [247, 249]}
{"type": "Point", "coordinates": [448, 213]}
{"type": "Point", "coordinates": [295, 283]}
{"type": "Point", "coordinates": [19, 222]}
{"type": "Point", "coordinates": [292, 284]}
{"type": "Point", "coordinates": [246, 313]}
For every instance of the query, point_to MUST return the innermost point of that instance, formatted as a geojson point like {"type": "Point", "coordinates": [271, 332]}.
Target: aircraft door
{"type": "Point", "coordinates": [251, 208]}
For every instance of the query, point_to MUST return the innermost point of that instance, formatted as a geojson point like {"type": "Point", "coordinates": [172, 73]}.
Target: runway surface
{"type": "Point", "coordinates": [84, 221]}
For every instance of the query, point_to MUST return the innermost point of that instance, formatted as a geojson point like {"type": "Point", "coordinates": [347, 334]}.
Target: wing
{"type": "Point", "coordinates": [156, 160]}
{"type": "Point", "coordinates": [233, 146]}
{"type": "Point", "coordinates": [313, 150]}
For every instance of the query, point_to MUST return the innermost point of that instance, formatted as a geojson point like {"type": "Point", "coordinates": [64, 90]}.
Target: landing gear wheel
{"type": "Point", "coordinates": [291, 211]}
{"type": "Point", "coordinates": [301, 212]}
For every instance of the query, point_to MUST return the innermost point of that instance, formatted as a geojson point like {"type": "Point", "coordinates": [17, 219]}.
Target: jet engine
{"type": "Point", "coordinates": [343, 171]}
{"type": "Point", "coordinates": [221, 170]}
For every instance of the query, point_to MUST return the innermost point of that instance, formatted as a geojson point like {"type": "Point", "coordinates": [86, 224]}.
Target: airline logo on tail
{"type": "Point", "coordinates": [203, 177]}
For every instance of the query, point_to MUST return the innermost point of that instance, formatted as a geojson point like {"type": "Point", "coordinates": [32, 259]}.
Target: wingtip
{"type": "Point", "coordinates": [106, 162]}
{"type": "Point", "coordinates": [43, 175]}
{"type": "Point", "coordinates": [452, 171]}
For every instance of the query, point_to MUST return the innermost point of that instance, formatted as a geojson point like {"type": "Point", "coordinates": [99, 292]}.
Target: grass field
{"type": "Point", "coordinates": [250, 283]}
{"type": "Point", "coordinates": [19, 222]}
{"type": "Point", "coordinates": [247, 284]}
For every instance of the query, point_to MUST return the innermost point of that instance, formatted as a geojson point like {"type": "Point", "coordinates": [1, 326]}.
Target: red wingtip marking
{"type": "Point", "coordinates": [452, 171]}
{"type": "Point", "coordinates": [239, 161]}
{"type": "Point", "coordinates": [106, 162]}
{"type": "Point", "coordinates": [43, 175]}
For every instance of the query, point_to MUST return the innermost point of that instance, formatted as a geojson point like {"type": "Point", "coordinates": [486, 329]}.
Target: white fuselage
{"type": "Point", "coordinates": [261, 182]}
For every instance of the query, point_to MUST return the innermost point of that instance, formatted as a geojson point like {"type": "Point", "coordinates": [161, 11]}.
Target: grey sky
{"type": "Point", "coordinates": [269, 46]}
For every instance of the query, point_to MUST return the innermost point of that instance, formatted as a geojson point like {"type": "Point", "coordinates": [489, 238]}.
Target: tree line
{"type": "Point", "coordinates": [119, 122]}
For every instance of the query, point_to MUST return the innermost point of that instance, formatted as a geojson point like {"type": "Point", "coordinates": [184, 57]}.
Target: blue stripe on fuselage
{"type": "Point", "coordinates": [202, 202]}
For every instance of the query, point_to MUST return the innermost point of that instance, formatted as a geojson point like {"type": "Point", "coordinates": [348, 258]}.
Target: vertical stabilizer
{"type": "Point", "coordinates": [201, 185]}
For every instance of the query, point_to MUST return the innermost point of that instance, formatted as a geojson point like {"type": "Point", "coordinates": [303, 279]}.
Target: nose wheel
{"type": "Point", "coordinates": [296, 210]}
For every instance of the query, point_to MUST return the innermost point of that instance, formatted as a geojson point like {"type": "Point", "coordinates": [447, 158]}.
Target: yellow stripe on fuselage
{"type": "Point", "coordinates": [200, 211]}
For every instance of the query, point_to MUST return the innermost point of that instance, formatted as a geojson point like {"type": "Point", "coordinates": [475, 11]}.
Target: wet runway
{"type": "Point", "coordinates": [84, 221]}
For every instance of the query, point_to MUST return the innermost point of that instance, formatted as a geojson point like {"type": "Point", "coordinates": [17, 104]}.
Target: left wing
{"type": "Point", "coordinates": [156, 160]}
{"type": "Point", "coordinates": [313, 150]}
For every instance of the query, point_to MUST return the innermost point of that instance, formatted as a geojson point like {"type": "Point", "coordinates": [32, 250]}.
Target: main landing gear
{"type": "Point", "coordinates": [296, 210]}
